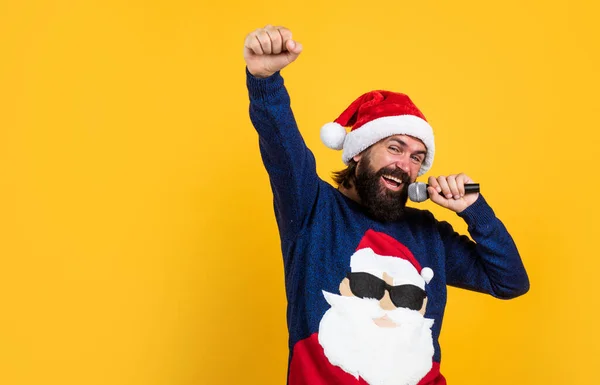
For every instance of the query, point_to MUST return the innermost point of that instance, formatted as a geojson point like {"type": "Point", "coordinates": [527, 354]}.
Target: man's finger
{"type": "Point", "coordinates": [286, 35]}
{"type": "Point", "coordinates": [276, 40]}
{"type": "Point", "coordinates": [253, 44]}
{"type": "Point", "coordinates": [453, 186]}
{"type": "Point", "coordinates": [461, 180]}
{"type": "Point", "coordinates": [434, 183]}
{"type": "Point", "coordinates": [279, 30]}
{"type": "Point", "coordinates": [265, 41]}
{"type": "Point", "coordinates": [444, 186]}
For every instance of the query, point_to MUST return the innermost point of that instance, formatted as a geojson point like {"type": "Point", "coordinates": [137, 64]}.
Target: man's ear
{"type": "Point", "coordinates": [357, 157]}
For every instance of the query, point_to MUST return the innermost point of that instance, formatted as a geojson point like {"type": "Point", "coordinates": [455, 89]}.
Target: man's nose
{"type": "Point", "coordinates": [402, 162]}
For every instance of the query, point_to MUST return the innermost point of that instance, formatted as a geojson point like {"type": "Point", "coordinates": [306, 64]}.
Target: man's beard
{"type": "Point", "coordinates": [382, 203]}
{"type": "Point", "coordinates": [350, 339]}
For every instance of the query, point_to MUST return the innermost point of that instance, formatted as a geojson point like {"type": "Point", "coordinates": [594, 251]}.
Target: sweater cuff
{"type": "Point", "coordinates": [478, 214]}
{"type": "Point", "coordinates": [262, 88]}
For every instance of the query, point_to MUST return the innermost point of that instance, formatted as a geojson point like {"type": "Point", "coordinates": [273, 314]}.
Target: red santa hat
{"type": "Point", "coordinates": [375, 116]}
{"type": "Point", "coordinates": [378, 252]}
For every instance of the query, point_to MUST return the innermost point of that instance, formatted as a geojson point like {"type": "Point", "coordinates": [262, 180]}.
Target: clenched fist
{"type": "Point", "coordinates": [270, 49]}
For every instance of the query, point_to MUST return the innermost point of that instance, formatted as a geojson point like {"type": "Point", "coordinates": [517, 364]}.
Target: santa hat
{"type": "Point", "coordinates": [379, 252]}
{"type": "Point", "coordinates": [375, 116]}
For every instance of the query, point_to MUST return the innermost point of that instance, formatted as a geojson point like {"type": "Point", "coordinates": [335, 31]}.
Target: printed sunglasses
{"type": "Point", "coordinates": [365, 285]}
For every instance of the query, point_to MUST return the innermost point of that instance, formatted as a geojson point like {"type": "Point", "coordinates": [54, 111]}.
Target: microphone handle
{"type": "Point", "coordinates": [471, 188]}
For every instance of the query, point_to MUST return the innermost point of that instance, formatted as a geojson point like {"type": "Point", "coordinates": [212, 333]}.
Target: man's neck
{"type": "Point", "coordinates": [350, 193]}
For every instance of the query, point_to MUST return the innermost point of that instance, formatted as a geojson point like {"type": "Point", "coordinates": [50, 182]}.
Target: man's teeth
{"type": "Point", "coordinates": [393, 178]}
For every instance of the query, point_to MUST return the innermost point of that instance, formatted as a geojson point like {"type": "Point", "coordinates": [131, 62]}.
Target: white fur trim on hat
{"type": "Point", "coordinates": [333, 135]}
{"type": "Point", "coordinates": [372, 132]}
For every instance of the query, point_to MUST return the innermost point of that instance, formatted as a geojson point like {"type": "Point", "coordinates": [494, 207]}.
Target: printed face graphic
{"type": "Point", "coordinates": [375, 328]}
{"type": "Point", "coordinates": [390, 296]}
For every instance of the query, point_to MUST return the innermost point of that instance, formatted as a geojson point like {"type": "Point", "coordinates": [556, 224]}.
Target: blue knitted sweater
{"type": "Point", "coordinates": [320, 228]}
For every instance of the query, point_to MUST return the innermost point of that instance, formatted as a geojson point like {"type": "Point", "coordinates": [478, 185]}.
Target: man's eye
{"type": "Point", "coordinates": [394, 148]}
{"type": "Point", "coordinates": [417, 159]}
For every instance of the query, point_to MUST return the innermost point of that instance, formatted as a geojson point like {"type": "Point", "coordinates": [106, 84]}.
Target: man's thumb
{"type": "Point", "coordinates": [294, 48]}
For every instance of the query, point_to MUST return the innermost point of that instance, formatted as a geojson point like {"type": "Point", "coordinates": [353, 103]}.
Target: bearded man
{"type": "Point", "coordinates": [361, 240]}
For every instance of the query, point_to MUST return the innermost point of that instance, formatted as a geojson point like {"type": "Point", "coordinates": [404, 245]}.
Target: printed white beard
{"type": "Point", "coordinates": [381, 356]}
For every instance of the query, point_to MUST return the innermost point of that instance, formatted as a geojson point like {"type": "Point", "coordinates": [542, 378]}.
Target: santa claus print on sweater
{"type": "Point", "coordinates": [375, 331]}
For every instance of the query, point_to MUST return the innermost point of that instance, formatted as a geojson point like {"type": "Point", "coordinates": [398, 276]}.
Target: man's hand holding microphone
{"type": "Point", "coordinates": [454, 192]}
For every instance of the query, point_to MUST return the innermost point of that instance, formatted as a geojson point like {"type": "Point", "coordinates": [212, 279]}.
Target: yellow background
{"type": "Point", "coordinates": [137, 239]}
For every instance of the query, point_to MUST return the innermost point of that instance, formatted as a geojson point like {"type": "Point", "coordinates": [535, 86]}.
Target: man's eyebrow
{"type": "Point", "coordinates": [401, 143]}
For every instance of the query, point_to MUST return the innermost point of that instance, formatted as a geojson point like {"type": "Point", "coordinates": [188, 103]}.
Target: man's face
{"type": "Point", "coordinates": [384, 172]}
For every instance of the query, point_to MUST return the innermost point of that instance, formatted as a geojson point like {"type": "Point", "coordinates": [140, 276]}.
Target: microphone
{"type": "Point", "coordinates": [417, 192]}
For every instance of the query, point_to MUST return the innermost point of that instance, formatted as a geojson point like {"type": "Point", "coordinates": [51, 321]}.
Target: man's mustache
{"type": "Point", "coordinates": [396, 173]}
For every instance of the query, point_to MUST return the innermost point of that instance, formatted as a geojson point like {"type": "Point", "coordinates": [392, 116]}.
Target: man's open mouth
{"type": "Point", "coordinates": [392, 182]}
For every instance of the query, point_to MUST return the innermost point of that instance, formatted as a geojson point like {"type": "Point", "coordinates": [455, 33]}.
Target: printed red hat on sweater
{"type": "Point", "coordinates": [379, 252]}
{"type": "Point", "coordinates": [374, 116]}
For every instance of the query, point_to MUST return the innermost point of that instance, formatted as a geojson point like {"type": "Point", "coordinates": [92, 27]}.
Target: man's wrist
{"type": "Point", "coordinates": [262, 75]}
{"type": "Point", "coordinates": [479, 212]}
{"type": "Point", "coordinates": [261, 88]}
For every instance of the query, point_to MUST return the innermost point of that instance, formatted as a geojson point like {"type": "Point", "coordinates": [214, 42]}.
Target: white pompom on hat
{"type": "Point", "coordinates": [333, 135]}
{"type": "Point", "coordinates": [376, 115]}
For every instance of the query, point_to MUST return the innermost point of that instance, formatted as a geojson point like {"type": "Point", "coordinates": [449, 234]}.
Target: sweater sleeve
{"type": "Point", "coordinates": [490, 263]}
{"type": "Point", "coordinates": [289, 163]}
